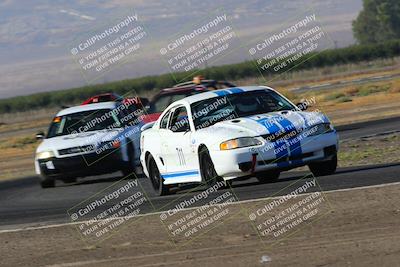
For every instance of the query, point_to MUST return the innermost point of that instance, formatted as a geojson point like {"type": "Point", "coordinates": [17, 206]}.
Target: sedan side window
{"type": "Point", "coordinates": [180, 120]}
{"type": "Point", "coordinates": [164, 121]}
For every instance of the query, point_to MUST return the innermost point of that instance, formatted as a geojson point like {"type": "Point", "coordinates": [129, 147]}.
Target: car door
{"type": "Point", "coordinates": [163, 146]}
{"type": "Point", "coordinates": [178, 151]}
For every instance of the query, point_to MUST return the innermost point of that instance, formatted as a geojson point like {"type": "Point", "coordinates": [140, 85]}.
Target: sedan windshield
{"type": "Point", "coordinates": [210, 111]}
{"type": "Point", "coordinates": [86, 121]}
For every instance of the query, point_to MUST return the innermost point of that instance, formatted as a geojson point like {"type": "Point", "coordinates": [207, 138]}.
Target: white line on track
{"type": "Point", "coordinates": [192, 208]}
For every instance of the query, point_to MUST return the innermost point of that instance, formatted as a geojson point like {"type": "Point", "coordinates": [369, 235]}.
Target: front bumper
{"type": "Point", "coordinates": [81, 165]}
{"type": "Point", "coordinates": [245, 161]}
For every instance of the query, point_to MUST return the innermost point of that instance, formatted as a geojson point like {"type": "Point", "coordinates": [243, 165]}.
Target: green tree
{"type": "Point", "coordinates": [379, 21]}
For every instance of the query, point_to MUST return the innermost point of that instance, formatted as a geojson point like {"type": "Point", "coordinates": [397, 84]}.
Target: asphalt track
{"type": "Point", "coordinates": [23, 202]}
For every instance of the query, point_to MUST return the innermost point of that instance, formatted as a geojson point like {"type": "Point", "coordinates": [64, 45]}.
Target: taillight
{"type": "Point", "coordinates": [116, 144]}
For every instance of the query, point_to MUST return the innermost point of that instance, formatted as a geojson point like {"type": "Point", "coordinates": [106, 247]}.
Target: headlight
{"type": "Point", "coordinates": [239, 142]}
{"type": "Point", "coordinates": [45, 155]}
{"type": "Point", "coordinates": [320, 129]}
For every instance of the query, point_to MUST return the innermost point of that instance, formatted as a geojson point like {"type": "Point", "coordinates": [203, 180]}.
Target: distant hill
{"type": "Point", "coordinates": [35, 35]}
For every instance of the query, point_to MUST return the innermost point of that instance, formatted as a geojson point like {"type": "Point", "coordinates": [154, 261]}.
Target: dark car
{"type": "Point", "coordinates": [166, 96]}
{"type": "Point", "coordinates": [209, 84]}
{"type": "Point", "coordinates": [132, 103]}
{"type": "Point", "coordinates": [106, 97]}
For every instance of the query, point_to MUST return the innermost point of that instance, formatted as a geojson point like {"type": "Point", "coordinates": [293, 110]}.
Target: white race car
{"type": "Point", "coordinates": [89, 140]}
{"type": "Point", "coordinates": [235, 133]}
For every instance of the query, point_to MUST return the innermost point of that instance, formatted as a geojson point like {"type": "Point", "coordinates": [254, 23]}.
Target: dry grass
{"type": "Point", "coordinates": [330, 74]}
{"type": "Point", "coordinates": [16, 157]}
{"type": "Point", "coordinates": [364, 151]}
{"type": "Point", "coordinates": [26, 120]}
{"type": "Point", "coordinates": [17, 161]}
{"type": "Point", "coordinates": [361, 103]}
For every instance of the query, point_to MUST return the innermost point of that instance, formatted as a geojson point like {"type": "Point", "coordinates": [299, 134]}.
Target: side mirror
{"type": "Point", "coordinates": [40, 135]}
{"type": "Point", "coordinates": [302, 106]}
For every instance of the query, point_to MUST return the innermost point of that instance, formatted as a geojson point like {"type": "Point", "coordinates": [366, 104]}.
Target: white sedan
{"type": "Point", "coordinates": [88, 140]}
{"type": "Point", "coordinates": [235, 133]}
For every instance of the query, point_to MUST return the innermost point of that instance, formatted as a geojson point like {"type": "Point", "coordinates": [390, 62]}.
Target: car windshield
{"type": "Point", "coordinates": [163, 101]}
{"type": "Point", "coordinates": [210, 111]}
{"type": "Point", "coordinates": [85, 121]}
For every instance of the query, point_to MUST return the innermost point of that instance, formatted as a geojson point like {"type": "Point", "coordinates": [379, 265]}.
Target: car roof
{"type": "Point", "coordinates": [192, 83]}
{"type": "Point", "coordinates": [201, 83]}
{"type": "Point", "coordinates": [227, 91]}
{"type": "Point", "coordinates": [181, 88]}
{"type": "Point", "coordinates": [96, 106]}
{"type": "Point", "coordinates": [178, 90]}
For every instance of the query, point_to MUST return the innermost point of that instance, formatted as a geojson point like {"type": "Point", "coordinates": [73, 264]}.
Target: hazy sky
{"type": "Point", "coordinates": [36, 36]}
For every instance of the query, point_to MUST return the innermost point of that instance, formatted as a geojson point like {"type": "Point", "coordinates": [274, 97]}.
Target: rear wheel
{"type": "Point", "coordinates": [324, 167]}
{"type": "Point", "coordinates": [47, 182]}
{"type": "Point", "coordinates": [268, 176]}
{"type": "Point", "coordinates": [155, 177]}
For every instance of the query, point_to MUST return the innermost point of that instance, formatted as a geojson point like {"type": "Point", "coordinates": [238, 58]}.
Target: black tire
{"type": "Point", "coordinates": [207, 170]}
{"type": "Point", "coordinates": [155, 177]}
{"type": "Point", "coordinates": [268, 176]}
{"type": "Point", "coordinates": [228, 184]}
{"type": "Point", "coordinates": [324, 167]}
{"type": "Point", "coordinates": [130, 169]}
{"type": "Point", "coordinates": [47, 182]}
{"type": "Point", "coordinates": [69, 180]}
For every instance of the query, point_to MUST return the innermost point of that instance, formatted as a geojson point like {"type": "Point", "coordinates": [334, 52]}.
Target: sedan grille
{"type": "Point", "coordinates": [78, 149]}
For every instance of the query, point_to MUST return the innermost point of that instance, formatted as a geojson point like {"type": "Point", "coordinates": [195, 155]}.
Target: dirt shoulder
{"type": "Point", "coordinates": [360, 228]}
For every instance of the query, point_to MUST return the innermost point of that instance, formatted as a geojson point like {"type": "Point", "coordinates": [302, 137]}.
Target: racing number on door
{"type": "Point", "coordinates": [181, 157]}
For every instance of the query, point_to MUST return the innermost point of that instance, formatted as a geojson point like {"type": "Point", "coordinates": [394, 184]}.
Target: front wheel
{"type": "Point", "coordinates": [47, 182]}
{"type": "Point", "coordinates": [70, 180]}
{"type": "Point", "coordinates": [130, 167]}
{"type": "Point", "coordinates": [324, 167]}
{"type": "Point", "coordinates": [228, 184]}
{"type": "Point", "coordinates": [207, 170]}
{"type": "Point", "coordinates": [156, 179]}
{"type": "Point", "coordinates": [267, 176]}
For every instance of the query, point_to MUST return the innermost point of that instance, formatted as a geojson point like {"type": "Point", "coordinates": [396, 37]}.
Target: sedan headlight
{"type": "Point", "coordinates": [239, 142]}
{"type": "Point", "coordinates": [45, 155]}
{"type": "Point", "coordinates": [320, 129]}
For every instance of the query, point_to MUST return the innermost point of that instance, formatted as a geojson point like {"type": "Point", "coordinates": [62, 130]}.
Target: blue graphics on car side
{"type": "Point", "coordinates": [180, 174]}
